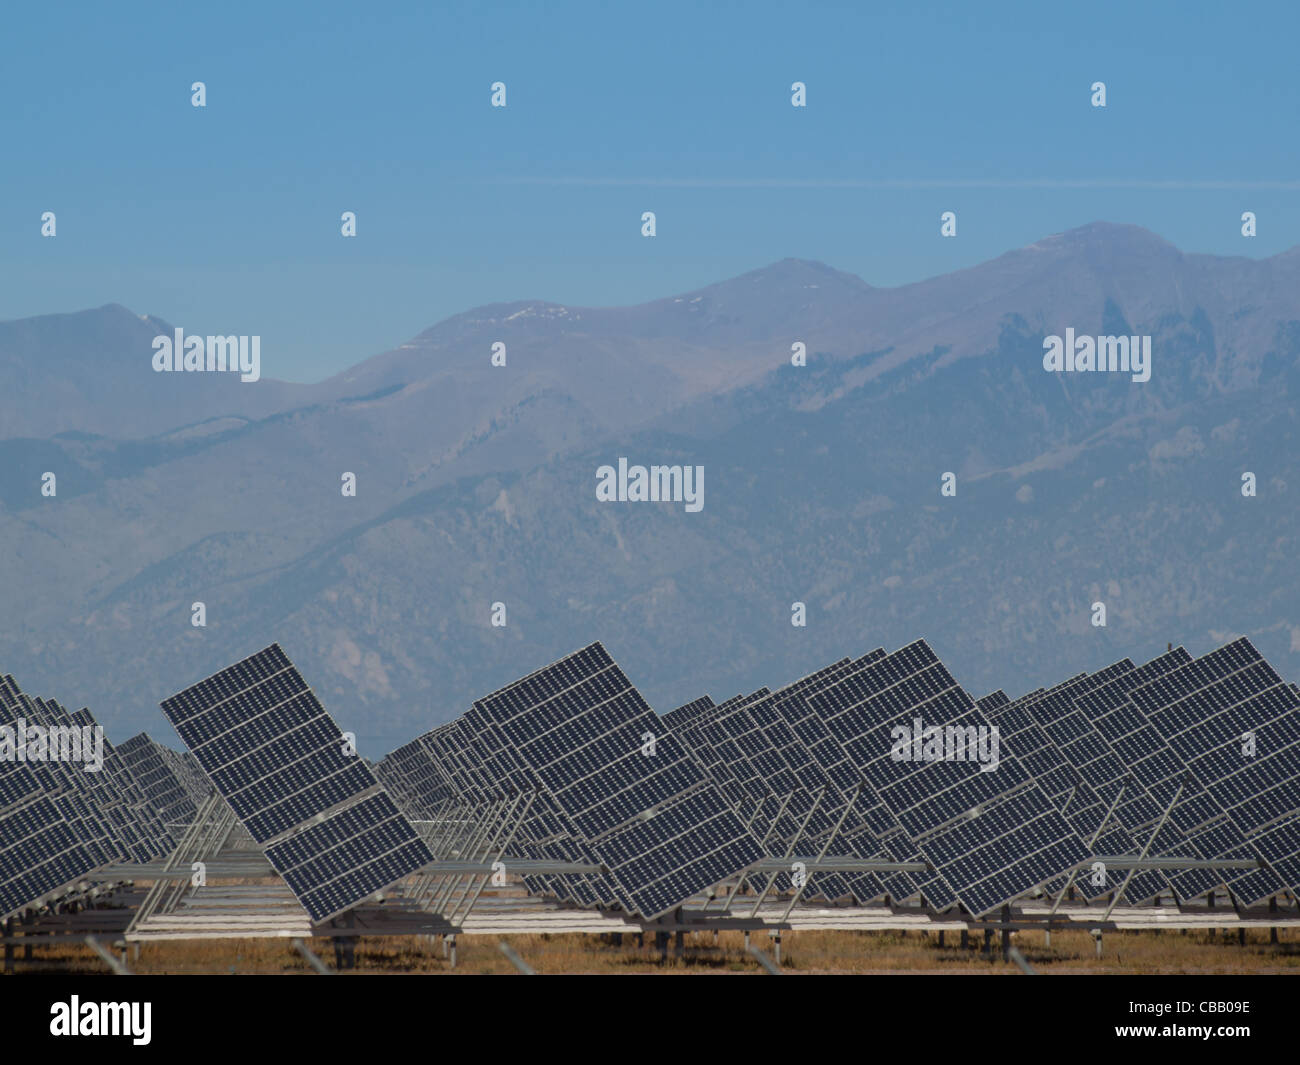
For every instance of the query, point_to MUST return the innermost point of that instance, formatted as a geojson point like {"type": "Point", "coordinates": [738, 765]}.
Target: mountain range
{"type": "Point", "coordinates": [476, 485]}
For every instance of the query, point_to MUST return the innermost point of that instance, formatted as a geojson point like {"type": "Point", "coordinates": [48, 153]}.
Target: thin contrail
{"type": "Point", "coordinates": [898, 183]}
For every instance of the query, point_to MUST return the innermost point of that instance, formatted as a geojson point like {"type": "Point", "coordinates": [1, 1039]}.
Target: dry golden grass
{"type": "Point", "coordinates": [802, 952]}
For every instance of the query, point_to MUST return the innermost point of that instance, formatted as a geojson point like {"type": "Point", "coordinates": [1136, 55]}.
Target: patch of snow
{"type": "Point", "coordinates": [539, 311]}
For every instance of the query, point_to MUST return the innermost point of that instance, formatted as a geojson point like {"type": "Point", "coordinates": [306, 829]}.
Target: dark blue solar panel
{"type": "Point", "coordinates": [580, 726]}
{"type": "Point", "coordinates": [935, 800]}
{"type": "Point", "coordinates": [281, 763]}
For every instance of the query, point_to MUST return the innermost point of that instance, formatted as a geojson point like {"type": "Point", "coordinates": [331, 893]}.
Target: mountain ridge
{"type": "Point", "coordinates": [475, 486]}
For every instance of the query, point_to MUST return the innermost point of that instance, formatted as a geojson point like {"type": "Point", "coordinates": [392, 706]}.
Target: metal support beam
{"type": "Point", "coordinates": [1141, 864]}
{"type": "Point", "coordinates": [515, 959]}
{"type": "Point", "coordinates": [825, 847]}
{"type": "Point", "coordinates": [457, 846]}
{"type": "Point", "coordinates": [470, 841]}
{"type": "Point", "coordinates": [763, 960]}
{"type": "Point", "coordinates": [1146, 847]}
{"type": "Point", "coordinates": [312, 960]}
{"type": "Point", "coordinates": [837, 864]}
{"type": "Point", "coordinates": [1075, 871]}
{"type": "Point", "coordinates": [200, 835]}
{"type": "Point", "coordinates": [789, 850]}
{"type": "Point", "coordinates": [744, 876]}
{"type": "Point", "coordinates": [452, 918]}
{"type": "Point", "coordinates": [1022, 963]}
{"type": "Point", "coordinates": [119, 969]}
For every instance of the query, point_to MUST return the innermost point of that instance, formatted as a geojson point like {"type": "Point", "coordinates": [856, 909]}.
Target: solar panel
{"type": "Point", "coordinates": [351, 853]}
{"type": "Point", "coordinates": [648, 812]}
{"type": "Point", "coordinates": [1197, 826]}
{"type": "Point", "coordinates": [1279, 845]}
{"type": "Point", "coordinates": [662, 860]}
{"type": "Point", "coordinates": [135, 829]}
{"type": "Point", "coordinates": [771, 779]}
{"type": "Point", "coordinates": [40, 851]}
{"type": "Point", "coordinates": [871, 831]}
{"type": "Point", "coordinates": [993, 836]}
{"type": "Point", "coordinates": [1238, 792]}
{"type": "Point", "coordinates": [419, 784]}
{"type": "Point", "coordinates": [66, 775]}
{"type": "Point", "coordinates": [672, 805]}
{"type": "Point", "coordinates": [550, 828]}
{"type": "Point", "coordinates": [157, 778]}
{"type": "Point", "coordinates": [281, 762]}
{"type": "Point", "coordinates": [992, 701]}
{"type": "Point", "coordinates": [1059, 701]}
{"type": "Point", "coordinates": [471, 760]}
{"type": "Point", "coordinates": [1040, 729]}
{"type": "Point", "coordinates": [1206, 709]}
{"type": "Point", "coordinates": [687, 712]}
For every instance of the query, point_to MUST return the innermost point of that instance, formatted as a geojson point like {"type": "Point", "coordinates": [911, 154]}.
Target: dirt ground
{"type": "Point", "coordinates": [1165, 951]}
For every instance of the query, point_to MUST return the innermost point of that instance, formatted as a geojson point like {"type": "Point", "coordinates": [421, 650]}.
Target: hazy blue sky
{"type": "Point", "coordinates": [226, 219]}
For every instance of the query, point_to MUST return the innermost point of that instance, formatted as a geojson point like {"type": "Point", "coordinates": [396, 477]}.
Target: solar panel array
{"type": "Point", "coordinates": [882, 757]}
{"type": "Point", "coordinates": [610, 786]}
{"type": "Point", "coordinates": [1089, 768]}
{"type": "Point", "coordinates": [67, 806]}
{"type": "Point", "coordinates": [791, 781]}
{"type": "Point", "coordinates": [1058, 744]}
{"type": "Point", "coordinates": [1231, 721]}
{"type": "Point", "coordinates": [170, 781]}
{"type": "Point", "coordinates": [990, 836]}
{"type": "Point", "coordinates": [1063, 792]}
{"type": "Point", "coordinates": [118, 795]}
